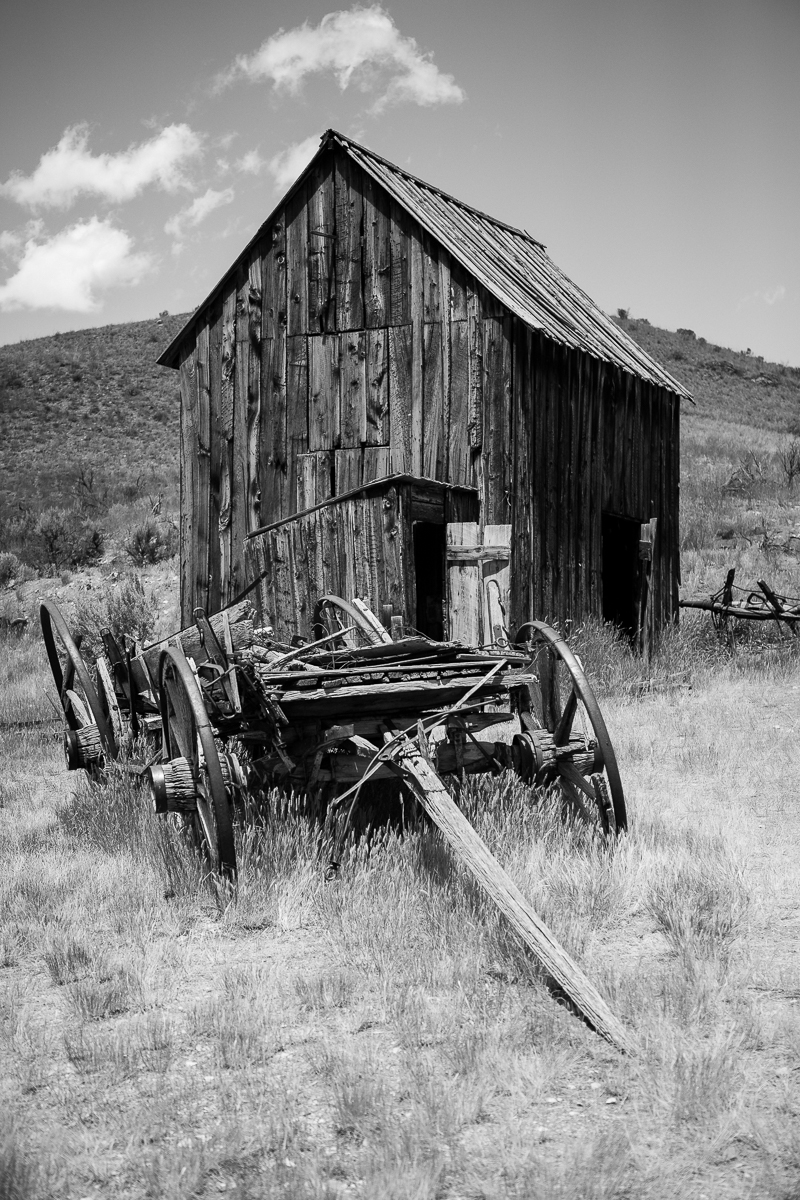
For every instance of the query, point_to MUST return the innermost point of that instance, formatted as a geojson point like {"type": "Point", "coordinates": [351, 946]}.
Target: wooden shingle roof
{"type": "Point", "coordinates": [510, 264]}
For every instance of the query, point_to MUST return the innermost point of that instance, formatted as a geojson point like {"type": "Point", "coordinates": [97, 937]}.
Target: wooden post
{"type": "Point", "coordinates": [428, 789]}
{"type": "Point", "coordinates": [644, 632]}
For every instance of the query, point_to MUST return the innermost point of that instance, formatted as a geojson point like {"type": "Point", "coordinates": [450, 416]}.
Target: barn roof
{"type": "Point", "coordinates": [510, 264]}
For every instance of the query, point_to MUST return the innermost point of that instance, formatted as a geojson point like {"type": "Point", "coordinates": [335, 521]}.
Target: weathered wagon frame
{"type": "Point", "coordinates": [333, 715]}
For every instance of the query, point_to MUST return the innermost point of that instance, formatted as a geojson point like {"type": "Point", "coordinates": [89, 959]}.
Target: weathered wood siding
{"type": "Point", "coordinates": [346, 345]}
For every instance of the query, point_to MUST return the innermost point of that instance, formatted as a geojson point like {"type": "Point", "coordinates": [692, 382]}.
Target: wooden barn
{"type": "Point", "coordinates": [394, 396]}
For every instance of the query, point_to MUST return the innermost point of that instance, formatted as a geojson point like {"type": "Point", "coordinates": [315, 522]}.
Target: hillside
{"type": "Point", "coordinates": [94, 401]}
{"type": "Point", "coordinates": [91, 401]}
{"type": "Point", "coordinates": [727, 385]}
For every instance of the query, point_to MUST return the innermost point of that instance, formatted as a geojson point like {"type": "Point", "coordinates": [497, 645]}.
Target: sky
{"type": "Point", "coordinates": [652, 145]}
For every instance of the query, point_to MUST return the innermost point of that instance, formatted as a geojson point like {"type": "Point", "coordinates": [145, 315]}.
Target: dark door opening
{"type": "Point", "coordinates": [429, 552]}
{"type": "Point", "coordinates": [621, 571]}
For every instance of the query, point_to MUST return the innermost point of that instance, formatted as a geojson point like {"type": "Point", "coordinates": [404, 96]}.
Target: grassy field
{"type": "Point", "coordinates": [383, 1035]}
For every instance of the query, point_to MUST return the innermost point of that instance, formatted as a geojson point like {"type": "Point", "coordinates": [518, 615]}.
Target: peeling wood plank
{"type": "Point", "coordinates": [417, 322]}
{"type": "Point", "coordinates": [188, 479]}
{"type": "Point", "coordinates": [458, 455]}
{"type": "Point", "coordinates": [476, 374]}
{"type": "Point", "coordinates": [400, 305]}
{"type": "Point", "coordinates": [201, 497]}
{"type": "Point", "coordinates": [218, 447]}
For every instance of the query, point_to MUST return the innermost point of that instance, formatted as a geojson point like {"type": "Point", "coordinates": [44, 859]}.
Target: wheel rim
{"type": "Point", "coordinates": [77, 694]}
{"type": "Point", "coordinates": [566, 704]}
{"type": "Point", "coordinates": [332, 613]}
{"type": "Point", "coordinates": [188, 734]}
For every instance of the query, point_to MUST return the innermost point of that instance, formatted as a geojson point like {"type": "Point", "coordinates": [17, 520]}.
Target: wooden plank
{"type": "Point", "coordinates": [324, 391]}
{"type": "Point", "coordinates": [496, 582]}
{"type": "Point", "coordinates": [458, 292]}
{"type": "Point", "coordinates": [349, 217]}
{"type": "Point", "coordinates": [435, 304]}
{"type": "Point", "coordinates": [376, 255]}
{"type": "Point", "coordinates": [457, 429]}
{"type": "Point", "coordinates": [417, 342]}
{"type": "Point", "coordinates": [321, 245]}
{"type": "Point", "coordinates": [314, 478]}
{"type": "Point", "coordinates": [353, 390]}
{"type": "Point", "coordinates": [296, 414]}
{"type": "Point", "coordinates": [201, 496]}
{"type": "Point", "coordinates": [377, 387]}
{"type": "Point", "coordinates": [400, 305]}
{"type": "Point", "coordinates": [400, 403]}
{"type": "Point", "coordinates": [253, 413]}
{"type": "Point", "coordinates": [476, 374]}
{"type": "Point", "coordinates": [428, 789]}
{"type": "Point", "coordinates": [464, 602]}
{"type": "Point", "coordinates": [241, 430]}
{"type": "Point", "coordinates": [188, 467]}
{"type": "Point", "coordinates": [297, 263]}
{"type": "Point", "coordinates": [522, 428]}
{"type": "Point", "coordinates": [218, 458]}
{"type": "Point", "coordinates": [272, 420]}
{"type": "Point", "coordinates": [349, 465]}
{"type": "Point", "coordinates": [433, 441]}
{"type": "Point", "coordinates": [375, 463]}
{"type": "Point", "coordinates": [226, 421]}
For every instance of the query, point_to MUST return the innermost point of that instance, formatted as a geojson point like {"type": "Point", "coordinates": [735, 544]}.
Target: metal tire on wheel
{"type": "Point", "coordinates": [188, 734]}
{"type": "Point", "coordinates": [564, 694]}
{"type": "Point", "coordinates": [76, 691]}
{"type": "Point", "coordinates": [332, 613]}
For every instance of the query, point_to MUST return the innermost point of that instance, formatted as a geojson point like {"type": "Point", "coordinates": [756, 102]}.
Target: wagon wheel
{"type": "Point", "coordinates": [565, 706]}
{"type": "Point", "coordinates": [188, 734]}
{"type": "Point", "coordinates": [89, 736]}
{"type": "Point", "coordinates": [331, 613]}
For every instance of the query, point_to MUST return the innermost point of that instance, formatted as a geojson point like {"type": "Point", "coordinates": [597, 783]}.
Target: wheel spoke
{"type": "Point", "coordinates": [564, 727]}
{"type": "Point", "coordinates": [573, 776]}
{"type": "Point", "coordinates": [548, 687]}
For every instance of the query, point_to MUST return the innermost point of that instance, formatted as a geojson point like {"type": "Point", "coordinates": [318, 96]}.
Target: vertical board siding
{"type": "Point", "coordinates": [253, 412]}
{"type": "Point", "coordinates": [321, 212]}
{"type": "Point", "coordinates": [188, 467]}
{"type": "Point", "coordinates": [349, 204]}
{"type": "Point", "coordinates": [324, 392]}
{"type": "Point", "coordinates": [297, 263]}
{"type": "Point", "coordinates": [218, 452]}
{"type": "Point", "coordinates": [201, 498]}
{"type": "Point", "coordinates": [377, 387]}
{"type": "Point", "coordinates": [400, 402]}
{"type": "Point", "coordinates": [297, 427]}
{"type": "Point", "coordinates": [353, 390]}
{"type": "Point", "coordinates": [376, 258]}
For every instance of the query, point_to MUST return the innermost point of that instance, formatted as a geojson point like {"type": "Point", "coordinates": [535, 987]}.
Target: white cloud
{"type": "Point", "coordinates": [286, 166]}
{"type": "Point", "coordinates": [70, 169]}
{"type": "Point", "coordinates": [196, 212]}
{"type": "Point", "coordinates": [66, 270]}
{"type": "Point", "coordinates": [250, 163]}
{"type": "Point", "coordinates": [770, 296]}
{"type": "Point", "coordinates": [362, 46]}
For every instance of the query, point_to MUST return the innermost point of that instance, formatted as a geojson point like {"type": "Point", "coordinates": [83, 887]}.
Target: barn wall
{"type": "Point", "coordinates": [588, 439]}
{"type": "Point", "coordinates": [347, 345]}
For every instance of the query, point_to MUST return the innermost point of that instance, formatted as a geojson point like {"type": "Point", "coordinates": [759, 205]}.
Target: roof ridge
{"type": "Point", "coordinates": [345, 142]}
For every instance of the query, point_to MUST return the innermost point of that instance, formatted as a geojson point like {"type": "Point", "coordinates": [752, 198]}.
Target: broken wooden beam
{"type": "Point", "coordinates": [428, 789]}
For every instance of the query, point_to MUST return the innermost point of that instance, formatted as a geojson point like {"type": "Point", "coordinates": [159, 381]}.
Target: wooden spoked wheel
{"type": "Point", "coordinates": [332, 613]}
{"type": "Point", "coordinates": [565, 733]}
{"type": "Point", "coordinates": [89, 738]}
{"type": "Point", "coordinates": [188, 735]}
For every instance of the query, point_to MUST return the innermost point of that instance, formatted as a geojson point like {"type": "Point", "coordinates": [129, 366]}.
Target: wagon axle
{"type": "Point", "coordinates": [175, 786]}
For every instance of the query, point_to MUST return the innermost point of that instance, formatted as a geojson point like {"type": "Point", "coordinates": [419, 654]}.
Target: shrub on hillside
{"type": "Point", "coordinates": [126, 610]}
{"type": "Point", "coordinates": [152, 542]}
{"type": "Point", "coordinates": [9, 567]}
{"type": "Point", "coordinates": [63, 537]}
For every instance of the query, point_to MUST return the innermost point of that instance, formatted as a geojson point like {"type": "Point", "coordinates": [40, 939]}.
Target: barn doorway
{"type": "Point", "coordinates": [429, 547]}
{"type": "Point", "coordinates": [621, 571]}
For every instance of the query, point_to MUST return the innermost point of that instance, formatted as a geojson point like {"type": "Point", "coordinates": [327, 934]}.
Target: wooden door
{"type": "Point", "coordinates": [478, 582]}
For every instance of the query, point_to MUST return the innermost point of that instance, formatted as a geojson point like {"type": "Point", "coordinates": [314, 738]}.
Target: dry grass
{"type": "Point", "coordinates": [383, 1035]}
